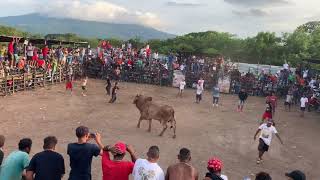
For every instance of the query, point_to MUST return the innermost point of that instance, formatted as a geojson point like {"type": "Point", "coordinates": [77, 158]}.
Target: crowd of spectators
{"type": "Point", "coordinates": [17, 58]}
{"type": "Point", "coordinates": [50, 165]}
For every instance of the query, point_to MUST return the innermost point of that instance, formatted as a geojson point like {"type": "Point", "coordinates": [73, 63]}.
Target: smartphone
{"type": "Point", "coordinates": [92, 135]}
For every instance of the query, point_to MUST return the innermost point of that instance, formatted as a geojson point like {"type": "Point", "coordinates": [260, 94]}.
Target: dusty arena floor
{"type": "Point", "coordinates": [220, 132]}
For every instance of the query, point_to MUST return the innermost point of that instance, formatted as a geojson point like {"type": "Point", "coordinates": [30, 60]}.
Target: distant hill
{"type": "Point", "coordinates": [36, 23]}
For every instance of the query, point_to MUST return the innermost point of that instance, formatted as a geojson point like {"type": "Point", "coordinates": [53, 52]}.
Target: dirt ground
{"type": "Point", "coordinates": [207, 132]}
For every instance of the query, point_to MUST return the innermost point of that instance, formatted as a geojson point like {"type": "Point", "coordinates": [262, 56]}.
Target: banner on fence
{"type": "Point", "coordinates": [177, 78]}
{"type": "Point", "coordinates": [224, 84]}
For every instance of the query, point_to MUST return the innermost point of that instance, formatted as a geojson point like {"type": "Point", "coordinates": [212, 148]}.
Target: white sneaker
{"type": "Point", "coordinates": [217, 105]}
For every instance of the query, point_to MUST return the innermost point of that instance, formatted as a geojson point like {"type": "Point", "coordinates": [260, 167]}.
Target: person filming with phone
{"type": "Point", "coordinates": [82, 152]}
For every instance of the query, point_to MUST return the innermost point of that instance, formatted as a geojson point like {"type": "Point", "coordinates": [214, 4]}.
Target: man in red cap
{"type": "Point", "coordinates": [214, 167]}
{"type": "Point", "coordinates": [117, 169]}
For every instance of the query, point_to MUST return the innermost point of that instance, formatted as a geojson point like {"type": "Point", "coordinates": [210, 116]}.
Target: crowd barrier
{"type": "Point", "coordinates": [11, 84]}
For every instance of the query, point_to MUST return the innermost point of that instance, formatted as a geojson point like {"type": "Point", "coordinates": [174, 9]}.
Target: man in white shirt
{"type": "Point", "coordinates": [148, 169]}
{"type": "Point", "coordinates": [199, 93]}
{"type": "Point", "coordinates": [201, 82]}
{"type": "Point", "coordinates": [303, 102]}
{"type": "Point", "coordinates": [182, 84]}
{"type": "Point", "coordinates": [267, 130]}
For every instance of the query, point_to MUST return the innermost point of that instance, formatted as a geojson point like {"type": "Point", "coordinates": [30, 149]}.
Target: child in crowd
{"type": "Point", "coordinates": [243, 95]}
{"type": "Point", "coordinates": [182, 84]}
{"type": "Point", "coordinates": [303, 103]}
{"type": "Point", "coordinates": [288, 101]}
{"type": "Point", "coordinates": [2, 140]}
{"type": "Point", "coordinates": [114, 93]}
{"type": "Point", "coordinates": [215, 95]}
{"type": "Point", "coordinates": [108, 87]}
{"type": "Point", "coordinates": [69, 84]}
{"type": "Point", "coordinates": [84, 86]}
{"type": "Point", "coordinates": [199, 93]}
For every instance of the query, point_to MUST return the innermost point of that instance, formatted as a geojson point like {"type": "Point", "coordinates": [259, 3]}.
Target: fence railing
{"type": "Point", "coordinates": [11, 84]}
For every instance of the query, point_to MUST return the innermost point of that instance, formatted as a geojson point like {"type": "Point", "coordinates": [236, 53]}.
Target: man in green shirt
{"type": "Point", "coordinates": [14, 165]}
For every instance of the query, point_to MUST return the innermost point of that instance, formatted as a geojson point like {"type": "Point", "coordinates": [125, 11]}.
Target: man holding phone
{"type": "Point", "coordinates": [81, 153]}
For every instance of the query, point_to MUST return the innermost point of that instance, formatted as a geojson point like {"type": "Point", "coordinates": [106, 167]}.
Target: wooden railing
{"type": "Point", "coordinates": [11, 84]}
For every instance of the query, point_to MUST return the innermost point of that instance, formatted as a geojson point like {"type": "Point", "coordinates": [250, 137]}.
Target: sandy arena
{"type": "Point", "coordinates": [220, 132]}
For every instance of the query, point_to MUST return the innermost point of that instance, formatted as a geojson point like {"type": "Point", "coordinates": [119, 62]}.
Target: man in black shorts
{"type": "Point", "coordinates": [267, 130]}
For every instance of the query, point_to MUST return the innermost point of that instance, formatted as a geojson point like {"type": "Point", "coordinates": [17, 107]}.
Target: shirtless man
{"type": "Point", "coordinates": [182, 170]}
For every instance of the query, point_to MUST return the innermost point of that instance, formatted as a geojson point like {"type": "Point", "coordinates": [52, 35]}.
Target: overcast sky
{"type": "Point", "coordinates": [241, 17]}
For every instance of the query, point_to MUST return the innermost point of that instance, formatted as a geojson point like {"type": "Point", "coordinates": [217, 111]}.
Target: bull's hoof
{"type": "Point", "coordinates": [148, 130]}
{"type": "Point", "coordinates": [174, 136]}
{"type": "Point", "coordinates": [138, 126]}
{"type": "Point", "coordinates": [160, 135]}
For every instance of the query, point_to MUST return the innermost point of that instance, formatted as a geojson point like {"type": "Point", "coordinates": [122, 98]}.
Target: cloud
{"type": "Point", "coordinates": [257, 2]}
{"type": "Point", "coordinates": [250, 12]}
{"type": "Point", "coordinates": [183, 4]}
{"type": "Point", "coordinates": [97, 10]}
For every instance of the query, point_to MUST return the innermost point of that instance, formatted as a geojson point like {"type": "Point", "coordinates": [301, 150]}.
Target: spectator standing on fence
{"type": "Point", "coordinates": [148, 168]}
{"type": "Point", "coordinates": [272, 99]}
{"type": "Point", "coordinates": [30, 49]}
{"type": "Point", "coordinates": [108, 87]}
{"type": "Point", "coordinates": [14, 165]}
{"type": "Point", "coordinates": [182, 84]}
{"type": "Point", "coordinates": [243, 95]}
{"type": "Point", "coordinates": [16, 52]}
{"type": "Point", "coordinates": [215, 95]}
{"type": "Point", "coordinates": [3, 51]}
{"type": "Point", "coordinates": [2, 141]}
{"type": "Point", "coordinates": [199, 92]}
{"type": "Point", "coordinates": [84, 86]}
{"type": "Point", "coordinates": [48, 164]}
{"type": "Point", "coordinates": [303, 103]}
{"type": "Point", "coordinates": [215, 167]}
{"type": "Point", "coordinates": [183, 170]}
{"type": "Point", "coordinates": [117, 169]}
{"type": "Point", "coordinates": [82, 152]}
{"type": "Point", "coordinates": [45, 51]}
{"type": "Point", "coordinates": [114, 93]}
{"type": "Point", "coordinates": [10, 53]}
{"type": "Point", "coordinates": [267, 130]}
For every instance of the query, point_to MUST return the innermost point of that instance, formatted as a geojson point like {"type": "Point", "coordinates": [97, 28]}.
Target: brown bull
{"type": "Point", "coordinates": [149, 110]}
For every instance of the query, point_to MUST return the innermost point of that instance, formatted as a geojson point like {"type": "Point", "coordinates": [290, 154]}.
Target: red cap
{"type": "Point", "coordinates": [122, 147]}
{"type": "Point", "coordinates": [215, 164]}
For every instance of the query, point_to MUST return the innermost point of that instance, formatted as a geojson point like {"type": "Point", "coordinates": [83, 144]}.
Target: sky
{"type": "Point", "coordinates": [240, 17]}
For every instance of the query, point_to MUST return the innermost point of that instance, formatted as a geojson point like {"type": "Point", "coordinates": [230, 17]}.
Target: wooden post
{"type": "Point", "coordinates": [44, 79]}
{"type": "Point", "coordinates": [5, 84]}
{"type": "Point", "coordinates": [24, 81]}
{"type": "Point", "coordinates": [52, 77]}
{"type": "Point", "coordinates": [60, 74]}
{"type": "Point", "coordinates": [13, 84]}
